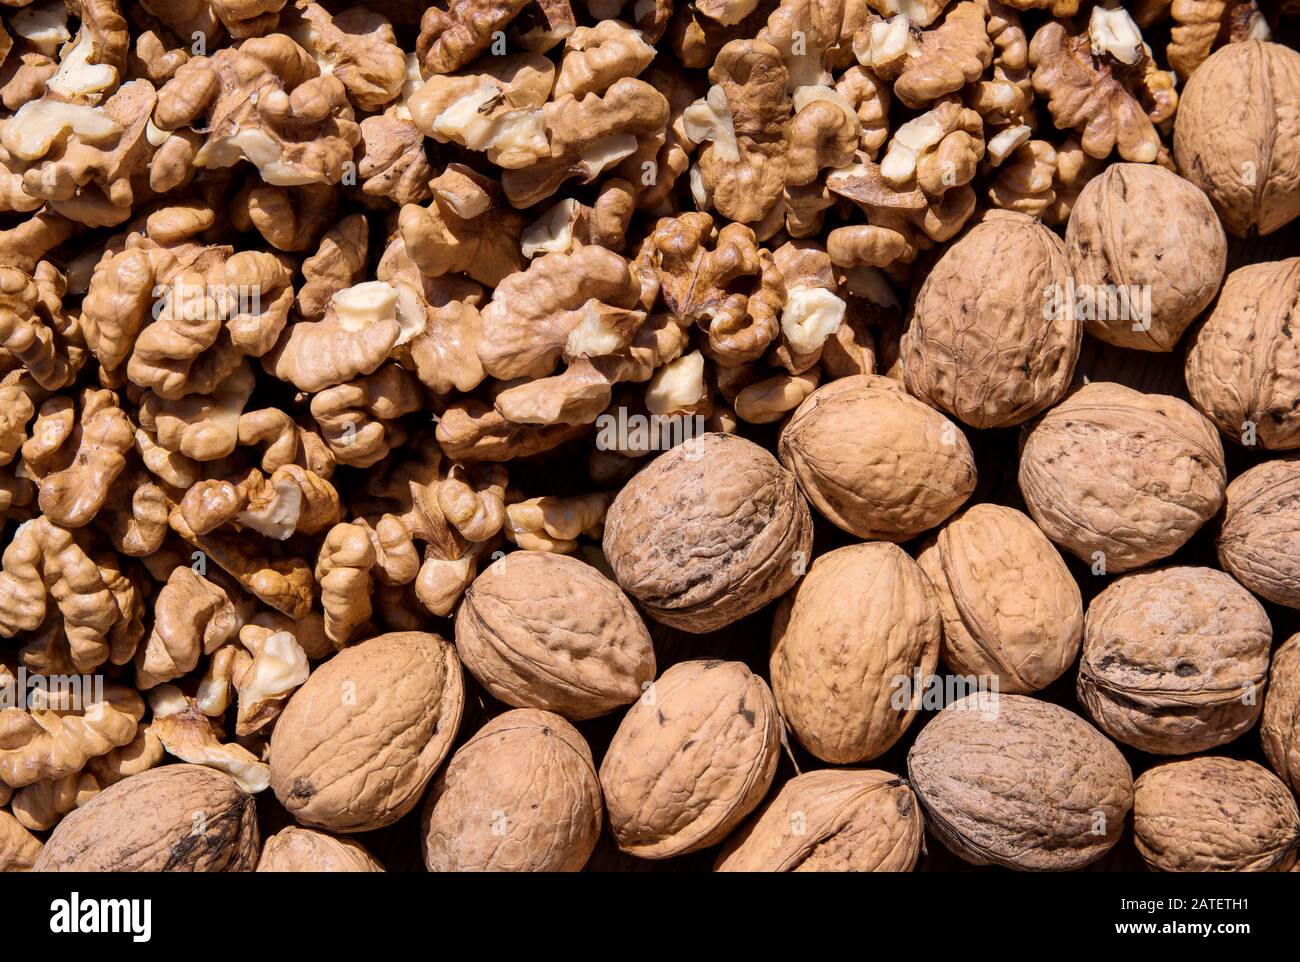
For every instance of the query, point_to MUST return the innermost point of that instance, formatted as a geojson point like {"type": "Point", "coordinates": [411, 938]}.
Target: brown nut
{"type": "Point", "coordinates": [1243, 364]}
{"type": "Point", "coordinates": [990, 340]}
{"type": "Point", "coordinates": [1148, 254]}
{"type": "Point", "coordinates": [1120, 478]}
{"type": "Point", "coordinates": [1215, 815]}
{"type": "Point", "coordinates": [730, 538]}
{"type": "Point", "coordinates": [1013, 781]}
{"type": "Point", "coordinates": [1259, 543]}
{"type": "Point", "coordinates": [356, 745]}
{"type": "Point", "coordinates": [295, 849]}
{"type": "Point", "coordinates": [831, 821]}
{"type": "Point", "coordinates": [178, 818]}
{"type": "Point", "coordinates": [520, 796]}
{"type": "Point", "coordinates": [19, 848]}
{"type": "Point", "coordinates": [1234, 137]}
{"type": "Point", "coordinates": [1279, 725]}
{"type": "Point", "coordinates": [876, 461]}
{"type": "Point", "coordinates": [1174, 660]}
{"type": "Point", "coordinates": [1010, 606]}
{"type": "Point", "coordinates": [543, 630]}
{"type": "Point", "coordinates": [846, 645]}
{"type": "Point", "coordinates": [691, 759]}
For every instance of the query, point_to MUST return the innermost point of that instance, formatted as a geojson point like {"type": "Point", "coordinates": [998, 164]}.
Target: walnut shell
{"type": "Point", "coordinates": [1279, 726]}
{"type": "Point", "coordinates": [876, 461]}
{"type": "Point", "coordinates": [845, 646]}
{"type": "Point", "coordinates": [983, 343]}
{"type": "Point", "coordinates": [1243, 365]}
{"type": "Point", "coordinates": [1259, 543]}
{"type": "Point", "coordinates": [359, 741]}
{"type": "Point", "coordinates": [520, 796]}
{"type": "Point", "coordinates": [295, 849]}
{"type": "Point", "coordinates": [1014, 781]}
{"type": "Point", "coordinates": [1115, 476]}
{"type": "Point", "coordinates": [544, 630]}
{"type": "Point", "coordinates": [1148, 254]}
{"type": "Point", "coordinates": [1235, 135]}
{"type": "Point", "coordinates": [1215, 815]}
{"type": "Point", "coordinates": [1010, 606]}
{"type": "Point", "coordinates": [831, 821]}
{"type": "Point", "coordinates": [1174, 660]}
{"type": "Point", "coordinates": [178, 818]}
{"type": "Point", "coordinates": [691, 759]}
{"type": "Point", "coordinates": [708, 532]}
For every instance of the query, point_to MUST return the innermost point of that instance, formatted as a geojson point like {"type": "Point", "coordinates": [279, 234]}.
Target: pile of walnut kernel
{"type": "Point", "coordinates": [330, 331]}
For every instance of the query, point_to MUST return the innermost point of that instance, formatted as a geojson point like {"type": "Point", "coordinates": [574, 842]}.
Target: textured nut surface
{"type": "Point", "coordinates": [1215, 815]}
{"type": "Point", "coordinates": [690, 759]}
{"type": "Point", "coordinates": [1259, 543]}
{"type": "Point", "coordinates": [1010, 780]}
{"type": "Point", "coordinates": [1114, 475]}
{"type": "Point", "coordinates": [520, 796]}
{"type": "Point", "coordinates": [1010, 606]}
{"type": "Point", "coordinates": [357, 743]}
{"type": "Point", "coordinates": [987, 342]}
{"type": "Point", "coordinates": [1144, 239]}
{"type": "Point", "coordinates": [831, 821]}
{"type": "Point", "coordinates": [876, 461]}
{"type": "Point", "coordinates": [844, 646]}
{"type": "Point", "coordinates": [1279, 725]}
{"type": "Point", "coordinates": [1243, 363]}
{"type": "Point", "coordinates": [726, 542]}
{"type": "Point", "coordinates": [1174, 660]}
{"type": "Point", "coordinates": [178, 818]}
{"type": "Point", "coordinates": [295, 849]}
{"type": "Point", "coordinates": [544, 630]}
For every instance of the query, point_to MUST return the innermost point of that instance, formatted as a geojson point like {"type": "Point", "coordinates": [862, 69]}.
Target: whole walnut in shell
{"type": "Point", "coordinates": [1236, 138]}
{"type": "Point", "coordinates": [1174, 660]}
{"type": "Point", "coordinates": [1279, 726]}
{"type": "Point", "coordinates": [1259, 543]}
{"type": "Point", "coordinates": [831, 821]}
{"type": "Point", "coordinates": [1148, 254]}
{"type": "Point", "coordinates": [1215, 815]}
{"type": "Point", "coordinates": [1120, 478]}
{"type": "Point", "coordinates": [708, 532]}
{"type": "Point", "coordinates": [845, 646]}
{"type": "Point", "coordinates": [1243, 365]}
{"type": "Point", "coordinates": [520, 796]}
{"type": "Point", "coordinates": [876, 461]}
{"type": "Point", "coordinates": [359, 741]}
{"type": "Point", "coordinates": [992, 340]}
{"type": "Point", "coordinates": [297, 849]}
{"type": "Point", "coordinates": [178, 818]}
{"type": "Point", "coordinates": [691, 759]}
{"type": "Point", "coordinates": [1010, 606]}
{"type": "Point", "coordinates": [544, 630]}
{"type": "Point", "coordinates": [1013, 781]}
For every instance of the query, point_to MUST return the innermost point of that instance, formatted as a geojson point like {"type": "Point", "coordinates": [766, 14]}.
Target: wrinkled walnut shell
{"type": "Point", "coordinates": [1259, 543]}
{"type": "Point", "coordinates": [1279, 726]}
{"type": "Point", "coordinates": [295, 849]}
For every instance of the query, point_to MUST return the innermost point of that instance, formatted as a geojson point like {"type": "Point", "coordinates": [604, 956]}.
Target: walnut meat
{"type": "Point", "coordinates": [178, 818]}
{"type": "Point", "coordinates": [845, 647]}
{"type": "Point", "coordinates": [691, 759]}
{"type": "Point", "coordinates": [729, 539]}
{"type": "Point", "coordinates": [297, 849]}
{"type": "Point", "coordinates": [1148, 254]}
{"type": "Point", "coordinates": [1236, 138]}
{"type": "Point", "coordinates": [520, 796]}
{"type": "Point", "coordinates": [993, 340]}
{"type": "Point", "coordinates": [876, 461]}
{"type": "Point", "coordinates": [1243, 365]}
{"type": "Point", "coordinates": [544, 630]}
{"type": "Point", "coordinates": [1174, 660]}
{"type": "Point", "coordinates": [1013, 781]}
{"type": "Point", "coordinates": [1120, 478]}
{"type": "Point", "coordinates": [1279, 725]}
{"type": "Point", "coordinates": [357, 744]}
{"type": "Point", "coordinates": [831, 821]}
{"type": "Point", "coordinates": [1215, 815]}
{"type": "Point", "coordinates": [1010, 606]}
{"type": "Point", "coordinates": [1259, 543]}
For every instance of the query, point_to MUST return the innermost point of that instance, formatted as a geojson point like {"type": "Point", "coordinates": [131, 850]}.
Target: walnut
{"type": "Point", "coordinates": [357, 46]}
{"type": "Point", "coordinates": [554, 524]}
{"type": "Point", "coordinates": [190, 735]}
{"type": "Point", "coordinates": [1280, 724]}
{"type": "Point", "coordinates": [451, 38]}
{"type": "Point", "coordinates": [75, 456]}
{"type": "Point", "coordinates": [338, 264]}
{"type": "Point", "coordinates": [595, 57]}
{"type": "Point", "coordinates": [34, 328]}
{"type": "Point", "coordinates": [192, 616]}
{"type": "Point", "coordinates": [1257, 543]}
{"type": "Point", "coordinates": [1202, 25]}
{"type": "Point", "coordinates": [391, 161]}
{"type": "Point", "coordinates": [295, 849]}
{"type": "Point", "coordinates": [950, 54]}
{"type": "Point", "coordinates": [1025, 180]}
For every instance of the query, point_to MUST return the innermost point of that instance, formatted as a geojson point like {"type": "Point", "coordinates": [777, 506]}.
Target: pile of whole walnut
{"type": "Point", "coordinates": [508, 434]}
